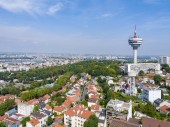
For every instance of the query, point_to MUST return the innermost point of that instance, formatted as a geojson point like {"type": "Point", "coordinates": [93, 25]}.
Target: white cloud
{"type": "Point", "coordinates": [33, 7]}
{"type": "Point", "coordinates": [29, 6]}
{"type": "Point", "coordinates": [107, 15]}
{"type": "Point", "coordinates": [55, 8]}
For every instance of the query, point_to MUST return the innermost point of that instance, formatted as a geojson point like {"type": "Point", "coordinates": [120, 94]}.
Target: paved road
{"type": "Point", "coordinates": [84, 92]}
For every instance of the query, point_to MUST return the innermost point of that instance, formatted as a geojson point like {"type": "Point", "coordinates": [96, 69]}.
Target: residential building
{"type": "Point", "coordinates": [122, 123]}
{"type": "Point", "coordinates": [143, 66]}
{"type": "Point", "coordinates": [40, 116]}
{"type": "Point", "coordinates": [75, 117]}
{"type": "Point", "coordinates": [158, 103]}
{"type": "Point", "coordinates": [102, 118]}
{"type": "Point", "coordinates": [25, 109]}
{"type": "Point", "coordinates": [151, 122]}
{"type": "Point", "coordinates": [11, 112]}
{"type": "Point", "coordinates": [59, 109]}
{"type": "Point", "coordinates": [119, 110]}
{"type": "Point", "coordinates": [164, 60]}
{"type": "Point", "coordinates": [33, 123]}
{"type": "Point", "coordinates": [164, 109]}
{"type": "Point", "coordinates": [151, 92]}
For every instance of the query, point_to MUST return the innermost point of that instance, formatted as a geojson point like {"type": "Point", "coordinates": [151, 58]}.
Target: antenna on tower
{"type": "Point", "coordinates": [135, 32]}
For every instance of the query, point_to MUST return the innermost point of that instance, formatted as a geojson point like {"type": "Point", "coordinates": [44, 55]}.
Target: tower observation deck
{"type": "Point", "coordinates": [135, 42]}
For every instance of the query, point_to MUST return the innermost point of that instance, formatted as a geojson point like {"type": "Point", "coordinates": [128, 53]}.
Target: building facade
{"type": "Point", "coordinates": [151, 93]}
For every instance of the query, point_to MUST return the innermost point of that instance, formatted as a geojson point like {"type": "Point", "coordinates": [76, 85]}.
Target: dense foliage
{"type": "Point", "coordinates": [2, 124]}
{"type": "Point", "coordinates": [24, 121]}
{"type": "Point", "coordinates": [49, 121]}
{"type": "Point", "coordinates": [166, 68]}
{"type": "Point", "coordinates": [157, 79]}
{"type": "Point", "coordinates": [94, 68]}
{"type": "Point", "coordinates": [35, 93]}
{"type": "Point", "coordinates": [7, 105]}
{"type": "Point", "coordinates": [59, 98]}
{"type": "Point", "coordinates": [141, 73]}
{"type": "Point", "coordinates": [92, 121]}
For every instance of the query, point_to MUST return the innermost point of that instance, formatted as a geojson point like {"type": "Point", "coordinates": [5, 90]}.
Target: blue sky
{"type": "Point", "coordinates": [84, 26]}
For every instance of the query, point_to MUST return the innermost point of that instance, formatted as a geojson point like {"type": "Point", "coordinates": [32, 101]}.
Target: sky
{"type": "Point", "coordinates": [84, 26]}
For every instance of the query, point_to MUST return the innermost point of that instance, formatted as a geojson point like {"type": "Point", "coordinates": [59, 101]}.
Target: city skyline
{"type": "Point", "coordinates": [84, 27]}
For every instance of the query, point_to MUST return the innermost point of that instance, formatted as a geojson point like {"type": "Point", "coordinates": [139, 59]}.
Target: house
{"type": "Point", "coordinates": [58, 125]}
{"type": "Point", "coordinates": [3, 117]}
{"type": "Point", "coordinates": [17, 116]}
{"type": "Point", "coordinates": [33, 123]}
{"type": "Point", "coordinates": [67, 104]}
{"type": "Point", "coordinates": [151, 122]}
{"type": "Point", "coordinates": [159, 103]}
{"type": "Point", "coordinates": [59, 109]}
{"type": "Point", "coordinates": [47, 107]}
{"type": "Point", "coordinates": [164, 109]}
{"type": "Point", "coordinates": [76, 116]}
{"type": "Point", "coordinates": [122, 123]}
{"type": "Point", "coordinates": [11, 112]}
{"type": "Point", "coordinates": [11, 121]}
{"type": "Point", "coordinates": [41, 116]}
{"type": "Point", "coordinates": [92, 101]}
{"type": "Point", "coordinates": [47, 97]}
{"type": "Point", "coordinates": [119, 110]}
{"type": "Point", "coordinates": [96, 109]}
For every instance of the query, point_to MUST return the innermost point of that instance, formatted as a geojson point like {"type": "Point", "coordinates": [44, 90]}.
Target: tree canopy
{"type": "Point", "coordinates": [92, 121]}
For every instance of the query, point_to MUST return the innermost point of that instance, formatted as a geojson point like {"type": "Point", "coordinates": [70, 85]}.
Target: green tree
{"type": "Point", "coordinates": [157, 79]}
{"type": "Point", "coordinates": [141, 73]}
{"type": "Point", "coordinates": [84, 102]}
{"type": "Point", "coordinates": [149, 110]}
{"type": "Point", "coordinates": [24, 121]}
{"type": "Point", "coordinates": [2, 124]}
{"type": "Point", "coordinates": [92, 121]}
{"type": "Point", "coordinates": [49, 121]}
{"type": "Point", "coordinates": [87, 97]}
{"type": "Point", "coordinates": [36, 108]}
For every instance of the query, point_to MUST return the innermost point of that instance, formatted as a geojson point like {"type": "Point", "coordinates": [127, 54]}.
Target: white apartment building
{"type": "Point", "coordinates": [164, 60]}
{"type": "Point", "coordinates": [143, 66]}
{"type": "Point", "coordinates": [25, 109]}
{"type": "Point", "coordinates": [118, 109]}
{"type": "Point", "coordinates": [76, 116]}
{"type": "Point", "coordinates": [151, 92]}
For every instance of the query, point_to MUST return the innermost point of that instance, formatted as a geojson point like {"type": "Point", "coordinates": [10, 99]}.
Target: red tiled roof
{"type": "Point", "coordinates": [95, 107]}
{"type": "Point", "coordinates": [3, 117]}
{"type": "Point", "coordinates": [47, 96]}
{"type": "Point", "coordinates": [47, 107]}
{"type": "Point", "coordinates": [80, 111]}
{"type": "Point", "coordinates": [33, 102]}
{"type": "Point", "coordinates": [67, 103]}
{"type": "Point", "coordinates": [59, 108]}
{"type": "Point", "coordinates": [57, 125]}
{"type": "Point", "coordinates": [121, 123]}
{"type": "Point", "coordinates": [34, 122]}
{"type": "Point", "coordinates": [70, 112]}
{"type": "Point", "coordinates": [12, 119]}
{"type": "Point", "coordinates": [19, 115]}
{"type": "Point", "coordinates": [72, 98]}
{"type": "Point", "coordinates": [150, 122]}
{"type": "Point", "coordinates": [165, 108]}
